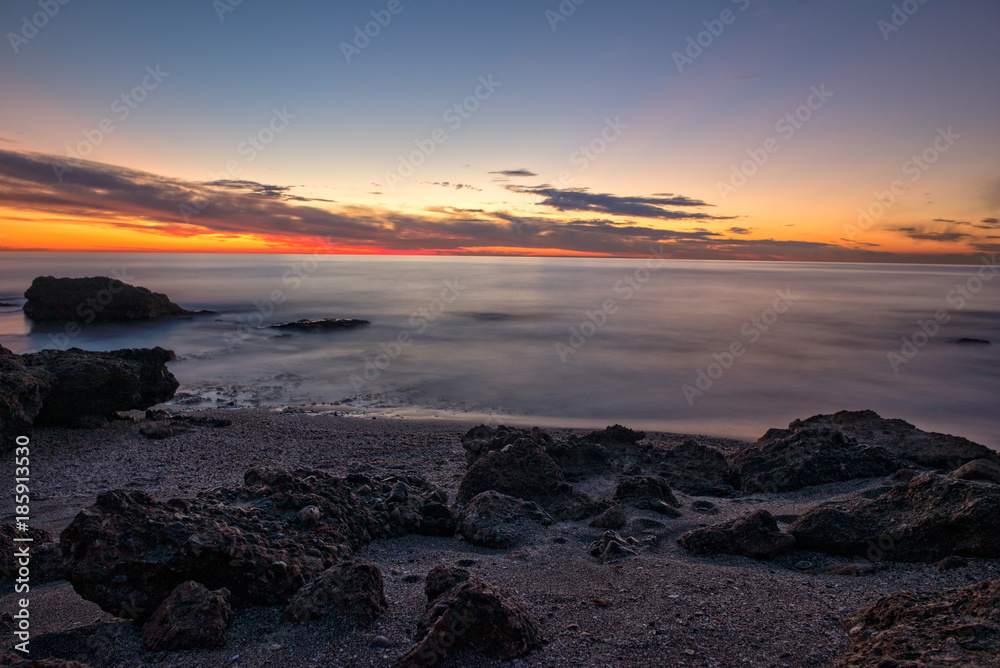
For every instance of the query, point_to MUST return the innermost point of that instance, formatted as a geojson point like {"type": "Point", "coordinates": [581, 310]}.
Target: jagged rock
{"type": "Point", "coordinates": [958, 627]}
{"type": "Point", "coordinates": [648, 493]}
{"type": "Point", "coordinates": [324, 325]}
{"type": "Point", "coordinates": [612, 518]}
{"type": "Point", "coordinates": [492, 519]}
{"type": "Point", "coordinates": [352, 589]}
{"type": "Point", "coordinates": [191, 617]}
{"type": "Point", "coordinates": [96, 299]}
{"type": "Point", "coordinates": [443, 578]}
{"type": "Point", "coordinates": [406, 503]}
{"type": "Point", "coordinates": [612, 547]}
{"type": "Point", "coordinates": [127, 552]}
{"type": "Point", "coordinates": [927, 519]}
{"type": "Point", "coordinates": [22, 391]}
{"type": "Point", "coordinates": [754, 535]}
{"type": "Point", "coordinates": [790, 459]}
{"type": "Point", "coordinates": [977, 469]}
{"type": "Point", "coordinates": [524, 470]}
{"type": "Point", "coordinates": [580, 459]}
{"type": "Point", "coordinates": [482, 439]}
{"type": "Point", "coordinates": [696, 469]}
{"type": "Point", "coordinates": [473, 615]}
{"type": "Point", "coordinates": [98, 384]}
{"type": "Point", "coordinates": [930, 449]}
{"type": "Point", "coordinates": [615, 435]}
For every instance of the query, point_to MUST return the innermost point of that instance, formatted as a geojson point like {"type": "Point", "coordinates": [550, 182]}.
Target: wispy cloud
{"type": "Point", "coordinates": [515, 172]}
{"type": "Point", "coordinates": [581, 199]}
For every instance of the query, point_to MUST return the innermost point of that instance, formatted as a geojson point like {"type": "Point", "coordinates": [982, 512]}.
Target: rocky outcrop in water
{"type": "Point", "coordinates": [191, 617]}
{"type": "Point", "coordinates": [323, 325]}
{"type": "Point", "coordinates": [96, 299]}
{"type": "Point", "coordinates": [926, 519]}
{"type": "Point", "coordinates": [755, 535]}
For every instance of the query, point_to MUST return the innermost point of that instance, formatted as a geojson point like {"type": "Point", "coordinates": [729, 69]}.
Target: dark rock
{"type": "Point", "coordinates": [926, 519]}
{"type": "Point", "coordinates": [696, 469]}
{"type": "Point", "coordinates": [191, 617]}
{"type": "Point", "coordinates": [957, 627]}
{"type": "Point", "coordinates": [648, 493]}
{"type": "Point", "coordinates": [929, 449]}
{"type": "Point", "coordinates": [978, 342]}
{"type": "Point", "coordinates": [613, 436]}
{"type": "Point", "coordinates": [612, 518]}
{"type": "Point", "coordinates": [127, 552]}
{"type": "Point", "coordinates": [96, 299]}
{"type": "Point", "coordinates": [706, 507]}
{"type": "Point", "coordinates": [324, 325]}
{"type": "Point", "coordinates": [790, 459]}
{"type": "Point", "coordinates": [524, 470]}
{"type": "Point", "coordinates": [755, 535]}
{"type": "Point", "coordinates": [580, 459]}
{"type": "Point", "coordinates": [951, 563]}
{"type": "Point", "coordinates": [437, 520]}
{"type": "Point", "coordinates": [99, 384]}
{"type": "Point", "coordinates": [852, 569]}
{"type": "Point", "coordinates": [978, 469]}
{"type": "Point", "coordinates": [444, 578]}
{"type": "Point", "coordinates": [9, 548]}
{"type": "Point", "coordinates": [477, 616]}
{"type": "Point", "coordinates": [612, 547]}
{"type": "Point", "coordinates": [496, 520]}
{"type": "Point", "coordinates": [22, 392]}
{"type": "Point", "coordinates": [482, 439]}
{"type": "Point", "coordinates": [352, 589]}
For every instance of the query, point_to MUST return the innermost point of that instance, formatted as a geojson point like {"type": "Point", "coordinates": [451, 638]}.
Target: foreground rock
{"type": "Point", "coordinates": [353, 589]}
{"type": "Point", "coordinates": [648, 493]}
{"type": "Point", "coordinates": [262, 541]}
{"type": "Point", "coordinates": [44, 556]}
{"type": "Point", "coordinates": [696, 469]}
{"type": "Point", "coordinates": [611, 547]}
{"type": "Point", "coordinates": [92, 386]}
{"type": "Point", "coordinates": [929, 449]}
{"type": "Point", "coordinates": [524, 470]}
{"type": "Point", "coordinates": [978, 469]}
{"type": "Point", "coordinates": [755, 535]}
{"type": "Point", "coordinates": [790, 459]}
{"type": "Point", "coordinates": [22, 391]}
{"type": "Point", "coordinates": [191, 617]}
{"type": "Point", "coordinates": [468, 613]}
{"type": "Point", "coordinates": [496, 520]}
{"type": "Point", "coordinates": [324, 325]}
{"type": "Point", "coordinates": [96, 299]}
{"type": "Point", "coordinates": [960, 627]}
{"type": "Point", "coordinates": [926, 519]}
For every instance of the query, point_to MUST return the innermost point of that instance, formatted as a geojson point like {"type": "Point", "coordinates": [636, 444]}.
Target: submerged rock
{"type": "Point", "coordinates": [492, 519]}
{"type": "Point", "coordinates": [474, 615]}
{"type": "Point", "coordinates": [96, 299]}
{"type": "Point", "coordinates": [353, 589]}
{"type": "Point", "coordinates": [926, 519]}
{"type": "Point", "coordinates": [957, 627]}
{"type": "Point", "coordinates": [324, 325]}
{"type": "Point", "coordinates": [191, 617]}
{"type": "Point", "coordinates": [755, 535]}
{"type": "Point", "coordinates": [790, 459]}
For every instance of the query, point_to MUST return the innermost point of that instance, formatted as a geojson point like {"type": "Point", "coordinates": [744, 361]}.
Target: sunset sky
{"type": "Point", "coordinates": [522, 127]}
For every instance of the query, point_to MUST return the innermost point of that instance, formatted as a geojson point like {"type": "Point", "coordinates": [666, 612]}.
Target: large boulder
{"type": "Point", "coordinates": [492, 519]}
{"type": "Point", "coordinates": [696, 469]}
{"type": "Point", "coordinates": [755, 535]}
{"type": "Point", "coordinates": [648, 493]}
{"type": "Point", "coordinates": [790, 459]}
{"type": "Point", "coordinates": [191, 617]}
{"type": "Point", "coordinates": [929, 449]}
{"type": "Point", "coordinates": [474, 615]}
{"type": "Point", "coordinates": [977, 469]}
{"type": "Point", "coordinates": [262, 541]}
{"type": "Point", "coordinates": [95, 299]}
{"type": "Point", "coordinates": [958, 627]}
{"type": "Point", "coordinates": [926, 519]}
{"type": "Point", "coordinates": [524, 470]}
{"type": "Point", "coordinates": [89, 385]}
{"type": "Point", "coordinates": [22, 391]}
{"type": "Point", "coordinates": [353, 589]}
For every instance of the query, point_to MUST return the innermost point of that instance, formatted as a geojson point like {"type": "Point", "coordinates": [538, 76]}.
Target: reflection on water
{"type": "Point", "coordinates": [693, 346]}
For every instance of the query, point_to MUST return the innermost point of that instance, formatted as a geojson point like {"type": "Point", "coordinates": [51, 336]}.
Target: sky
{"type": "Point", "coordinates": [808, 130]}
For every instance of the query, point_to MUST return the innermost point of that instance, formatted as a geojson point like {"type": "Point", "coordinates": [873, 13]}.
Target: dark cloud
{"type": "Point", "coordinates": [739, 230]}
{"type": "Point", "coordinates": [515, 172]}
{"type": "Point", "coordinates": [580, 199]}
{"type": "Point", "coordinates": [921, 234]}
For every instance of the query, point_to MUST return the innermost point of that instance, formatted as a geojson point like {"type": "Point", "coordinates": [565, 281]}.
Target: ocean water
{"type": "Point", "coordinates": [706, 347]}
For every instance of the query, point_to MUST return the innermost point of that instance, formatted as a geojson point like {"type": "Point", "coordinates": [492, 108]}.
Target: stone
{"type": "Point", "coordinates": [926, 519]}
{"type": "Point", "coordinates": [8, 547]}
{"type": "Point", "coordinates": [754, 535]}
{"type": "Point", "coordinates": [648, 493]}
{"type": "Point", "coordinates": [191, 617]}
{"type": "Point", "coordinates": [22, 392]}
{"type": "Point", "coordinates": [978, 469]}
{"type": "Point", "coordinates": [353, 589]}
{"type": "Point", "coordinates": [696, 469]}
{"type": "Point", "coordinates": [951, 563]}
{"type": "Point", "coordinates": [496, 520]}
{"type": "Point", "coordinates": [852, 569]}
{"type": "Point", "coordinates": [611, 547]}
{"type": "Point", "coordinates": [323, 325]}
{"type": "Point", "coordinates": [612, 518]}
{"type": "Point", "coordinates": [95, 299]}
{"type": "Point", "coordinates": [444, 578]}
{"type": "Point", "coordinates": [791, 459]}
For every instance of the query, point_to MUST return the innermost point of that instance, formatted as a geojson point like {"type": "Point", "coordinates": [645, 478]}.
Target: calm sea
{"type": "Point", "coordinates": [721, 348]}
